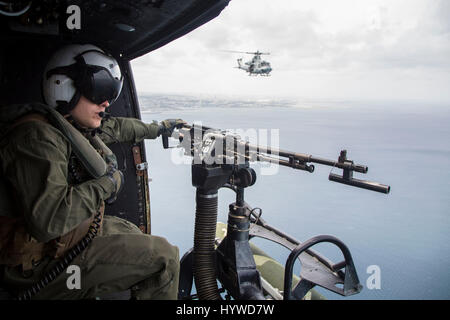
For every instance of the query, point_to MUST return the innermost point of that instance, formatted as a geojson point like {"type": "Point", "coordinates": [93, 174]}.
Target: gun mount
{"type": "Point", "coordinates": [222, 159]}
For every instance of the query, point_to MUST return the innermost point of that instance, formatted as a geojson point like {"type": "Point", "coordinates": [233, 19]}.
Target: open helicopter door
{"type": "Point", "coordinates": [134, 204]}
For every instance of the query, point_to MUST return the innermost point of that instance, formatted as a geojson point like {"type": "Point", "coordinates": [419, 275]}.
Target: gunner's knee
{"type": "Point", "coordinates": [167, 253]}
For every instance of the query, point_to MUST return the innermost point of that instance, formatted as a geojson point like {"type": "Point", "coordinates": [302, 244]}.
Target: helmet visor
{"type": "Point", "coordinates": [100, 86]}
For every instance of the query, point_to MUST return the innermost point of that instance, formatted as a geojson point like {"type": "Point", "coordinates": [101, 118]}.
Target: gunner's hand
{"type": "Point", "coordinates": [118, 179]}
{"type": "Point", "coordinates": [167, 126]}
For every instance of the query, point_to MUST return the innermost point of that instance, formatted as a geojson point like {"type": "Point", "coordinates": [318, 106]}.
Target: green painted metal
{"type": "Point", "coordinates": [271, 270]}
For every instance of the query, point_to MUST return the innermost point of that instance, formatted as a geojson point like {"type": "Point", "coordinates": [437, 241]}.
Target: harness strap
{"type": "Point", "coordinates": [17, 246]}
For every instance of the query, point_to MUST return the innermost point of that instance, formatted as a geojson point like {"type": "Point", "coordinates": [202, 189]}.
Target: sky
{"type": "Point", "coordinates": [319, 49]}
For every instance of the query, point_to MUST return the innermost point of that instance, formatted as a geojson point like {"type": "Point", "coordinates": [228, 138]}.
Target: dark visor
{"type": "Point", "coordinates": [99, 85]}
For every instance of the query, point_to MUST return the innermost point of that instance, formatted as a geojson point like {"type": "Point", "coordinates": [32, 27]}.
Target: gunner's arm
{"type": "Point", "coordinates": [37, 167]}
{"type": "Point", "coordinates": [128, 130]}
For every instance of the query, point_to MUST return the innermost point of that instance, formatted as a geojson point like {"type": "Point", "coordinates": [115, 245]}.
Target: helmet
{"type": "Point", "coordinates": [77, 70]}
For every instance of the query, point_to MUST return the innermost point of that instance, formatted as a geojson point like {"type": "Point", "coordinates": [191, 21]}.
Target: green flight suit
{"type": "Point", "coordinates": [35, 162]}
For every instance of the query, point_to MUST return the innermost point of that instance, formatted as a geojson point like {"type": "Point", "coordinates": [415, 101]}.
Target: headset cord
{"type": "Point", "coordinates": [64, 263]}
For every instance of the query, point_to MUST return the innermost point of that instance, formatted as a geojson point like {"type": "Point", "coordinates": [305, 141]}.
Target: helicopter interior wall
{"type": "Point", "coordinates": [131, 28]}
{"type": "Point", "coordinates": [21, 67]}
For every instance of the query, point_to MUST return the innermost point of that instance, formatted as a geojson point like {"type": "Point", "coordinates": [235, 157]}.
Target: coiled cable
{"type": "Point", "coordinates": [62, 265]}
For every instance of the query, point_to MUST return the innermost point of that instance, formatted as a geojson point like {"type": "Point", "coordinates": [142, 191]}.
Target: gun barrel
{"type": "Point", "coordinates": [294, 165]}
{"type": "Point", "coordinates": [302, 157]}
{"type": "Point", "coordinates": [341, 165]}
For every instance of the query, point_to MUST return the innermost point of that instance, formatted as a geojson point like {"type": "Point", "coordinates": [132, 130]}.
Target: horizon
{"type": "Point", "coordinates": [413, 102]}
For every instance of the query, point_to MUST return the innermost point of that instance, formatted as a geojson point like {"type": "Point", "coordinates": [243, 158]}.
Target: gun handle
{"type": "Point", "coordinates": [374, 186]}
{"type": "Point", "coordinates": [165, 141]}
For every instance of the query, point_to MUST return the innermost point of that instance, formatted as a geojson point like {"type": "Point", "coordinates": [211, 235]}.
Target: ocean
{"type": "Point", "coordinates": [404, 235]}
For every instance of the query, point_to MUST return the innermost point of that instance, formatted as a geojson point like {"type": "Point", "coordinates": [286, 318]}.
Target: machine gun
{"type": "Point", "coordinates": [222, 159]}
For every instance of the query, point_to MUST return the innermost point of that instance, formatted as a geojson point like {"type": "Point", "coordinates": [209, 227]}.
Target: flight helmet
{"type": "Point", "coordinates": [76, 70]}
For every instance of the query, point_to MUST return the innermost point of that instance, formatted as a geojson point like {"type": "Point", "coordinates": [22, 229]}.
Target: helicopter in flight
{"type": "Point", "coordinates": [256, 66]}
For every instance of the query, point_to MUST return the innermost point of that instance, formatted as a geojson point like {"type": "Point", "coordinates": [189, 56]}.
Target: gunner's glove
{"type": "Point", "coordinates": [118, 179]}
{"type": "Point", "coordinates": [166, 127]}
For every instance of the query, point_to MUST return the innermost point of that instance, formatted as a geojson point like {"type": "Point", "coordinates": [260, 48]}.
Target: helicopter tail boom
{"type": "Point", "coordinates": [241, 66]}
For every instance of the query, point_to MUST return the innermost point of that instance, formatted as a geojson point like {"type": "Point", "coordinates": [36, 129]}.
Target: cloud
{"type": "Point", "coordinates": [372, 45]}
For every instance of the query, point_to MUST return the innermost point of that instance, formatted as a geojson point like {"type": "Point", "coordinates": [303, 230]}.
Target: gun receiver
{"type": "Point", "coordinates": [211, 145]}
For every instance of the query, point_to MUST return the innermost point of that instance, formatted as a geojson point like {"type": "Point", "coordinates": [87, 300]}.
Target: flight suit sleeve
{"type": "Point", "coordinates": [127, 130]}
{"type": "Point", "coordinates": [37, 167]}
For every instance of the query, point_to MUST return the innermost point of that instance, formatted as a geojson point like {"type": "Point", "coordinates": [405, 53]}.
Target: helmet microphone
{"type": "Point", "coordinates": [104, 115]}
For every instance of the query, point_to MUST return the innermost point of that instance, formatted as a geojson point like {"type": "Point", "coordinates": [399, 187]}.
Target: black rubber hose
{"type": "Point", "coordinates": [204, 248]}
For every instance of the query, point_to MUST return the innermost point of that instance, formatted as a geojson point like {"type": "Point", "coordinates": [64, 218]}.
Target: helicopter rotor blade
{"type": "Point", "coordinates": [233, 51]}
{"type": "Point", "coordinates": [260, 53]}
{"type": "Point", "coordinates": [247, 52]}
{"type": "Point", "coordinates": [257, 53]}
